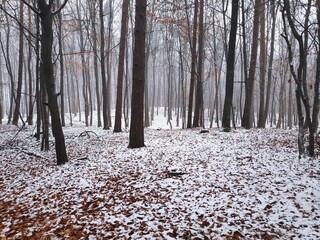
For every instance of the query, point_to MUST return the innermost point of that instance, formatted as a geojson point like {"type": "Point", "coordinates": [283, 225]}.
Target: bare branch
{"type": "Point", "coordinates": [31, 7]}
{"type": "Point", "coordinates": [18, 22]}
{"type": "Point", "coordinates": [61, 7]}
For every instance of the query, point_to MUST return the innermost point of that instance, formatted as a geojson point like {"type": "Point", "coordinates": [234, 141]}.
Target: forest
{"type": "Point", "coordinates": [159, 119]}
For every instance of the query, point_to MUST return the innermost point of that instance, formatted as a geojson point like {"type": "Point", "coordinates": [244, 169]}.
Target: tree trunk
{"type": "Point", "coordinates": [7, 59]}
{"type": "Point", "coordinates": [270, 65]}
{"type": "Point", "coordinates": [122, 48]}
{"type": "Point", "coordinates": [93, 15]}
{"type": "Point", "coordinates": [108, 64]}
{"type": "Point", "coordinates": [47, 74]}
{"type": "Point", "coordinates": [30, 78]}
{"type": "Point", "coordinates": [17, 113]}
{"type": "Point", "coordinates": [247, 113]}
{"type": "Point", "coordinates": [263, 58]}
{"type": "Point", "coordinates": [199, 91]}
{"type": "Point", "coordinates": [226, 119]}
{"type": "Point", "coordinates": [193, 64]}
{"type": "Point", "coordinates": [136, 138]}
{"type": "Point", "coordinates": [61, 61]}
{"type": "Point", "coordinates": [103, 69]}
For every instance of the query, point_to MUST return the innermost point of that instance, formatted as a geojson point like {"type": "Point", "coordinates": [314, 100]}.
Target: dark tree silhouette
{"type": "Point", "coordinates": [136, 139]}
{"type": "Point", "coordinates": [193, 63]}
{"type": "Point", "coordinates": [16, 114]}
{"type": "Point", "coordinates": [230, 67]}
{"type": "Point", "coordinates": [124, 26]}
{"type": "Point", "coordinates": [46, 14]}
{"type": "Point", "coordinates": [247, 113]}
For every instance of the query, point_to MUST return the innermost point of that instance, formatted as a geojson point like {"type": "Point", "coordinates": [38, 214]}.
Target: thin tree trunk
{"type": "Point", "coordinates": [270, 65]}
{"type": "Point", "coordinates": [17, 113]}
{"type": "Point", "coordinates": [247, 114]}
{"type": "Point", "coordinates": [30, 78]}
{"type": "Point", "coordinates": [199, 91]}
{"type": "Point", "coordinates": [108, 65]}
{"type": "Point", "coordinates": [226, 119]}
{"type": "Point", "coordinates": [93, 15]}
{"type": "Point", "coordinates": [193, 63]}
{"type": "Point", "coordinates": [7, 59]}
{"type": "Point", "coordinates": [263, 59]}
{"type": "Point", "coordinates": [122, 48]}
{"type": "Point", "coordinates": [103, 69]}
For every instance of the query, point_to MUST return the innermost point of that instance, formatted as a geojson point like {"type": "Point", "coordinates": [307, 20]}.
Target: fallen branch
{"type": "Point", "coordinates": [174, 173]}
{"type": "Point", "coordinates": [87, 133]}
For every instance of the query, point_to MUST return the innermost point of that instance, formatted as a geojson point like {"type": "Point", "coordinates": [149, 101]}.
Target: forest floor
{"type": "Point", "coordinates": [246, 184]}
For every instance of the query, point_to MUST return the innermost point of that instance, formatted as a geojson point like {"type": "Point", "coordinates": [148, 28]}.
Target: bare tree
{"type": "Point", "coordinates": [226, 119]}
{"type": "Point", "coordinates": [198, 109]}
{"type": "Point", "coordinates": [193, 63]}
{"type": "Point", "coordinates": [136, 139]}
{"type": "Point", "coordinates": [46, 14]}
{"type": "Point", "coordinates": [17, 113]}
{"type": "Point", "coordinates": [124, 29]}
{"type": "Point", "coordinates": [299, 75]}
{"type": "Point", "coordinates": [247, 114]}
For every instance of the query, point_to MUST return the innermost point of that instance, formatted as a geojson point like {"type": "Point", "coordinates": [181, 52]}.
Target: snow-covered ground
{"type": "Point", "coordinates": [246, 184]}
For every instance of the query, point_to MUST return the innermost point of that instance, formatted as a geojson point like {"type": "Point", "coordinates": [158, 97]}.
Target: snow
{"type": "Point", "coordinates": [246, 184]}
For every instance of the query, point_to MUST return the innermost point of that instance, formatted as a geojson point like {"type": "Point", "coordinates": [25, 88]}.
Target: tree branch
{"type": "Point", "coordinates": [31, 7]}
{"type": "Point", "coordinates": [18, 22]}
{"type": "Point", "coordinates": [60, 8]}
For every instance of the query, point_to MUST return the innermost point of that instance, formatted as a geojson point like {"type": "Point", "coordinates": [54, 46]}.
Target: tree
{"type": "Point", "coordinates": [17, 114]}
{"type": "Point", "coordinates": [103, 70]}
{"type": "Point", "coordinates": [198, 109]}
{"type": "Point", "coordinates": [136, 138]}
{"type": "Point", "coordinates": [46, 15]}
{"type": "Point", "coordinates": [93, 14]}
{"type": "Point", "coordinates": [29, 65]}
{"type": "Point", "coordinates": [263, 58]}
{"type": "Point", "coordinates": [230, 67]}
{"type": "Point", "coordinates": [193, 63]}
{"type": "Point", "coordinates": [61, 61]}
{"type": "Point", "coordinates": [309, 117]}
{"type": "Point", "coordinates": [270, 64]}
{"type": "Point", "coordinates": [124, 27]}
{"type": "Point", "coordinates": [247, 113]}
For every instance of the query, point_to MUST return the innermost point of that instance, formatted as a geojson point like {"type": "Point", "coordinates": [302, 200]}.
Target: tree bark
{"type": "Point", "coordinates": [103, 69]}
{"type": "Point", "coordinates": [247, 113]}
{"type": "Point", "coordinates": [93, 15]}
{"type": "Point", "coordinates": [17, 113]}
{"type": "Point", "coordinates": [270, 64]}
{"type": "Point", "coordinates": [136, 138]}
{"type": "Point", "coordinates": [263, 59]}
{"type": "Point", "coordinates": [193, 64]}
{"type": "Point", "coordinates": [226, 118]}
{"type": "Point", "coordinates": [61, 61]}
{"type": "Point", "coordinates": [47, 74]}
{"type": "Point", "coordinates": [122, 48]}
{"type": "Point", "coordinates": [198, 110]}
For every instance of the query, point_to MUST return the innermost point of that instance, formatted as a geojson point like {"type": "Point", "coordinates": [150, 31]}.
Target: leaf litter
{"type": "Point", "coordinates": [247, 184]}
